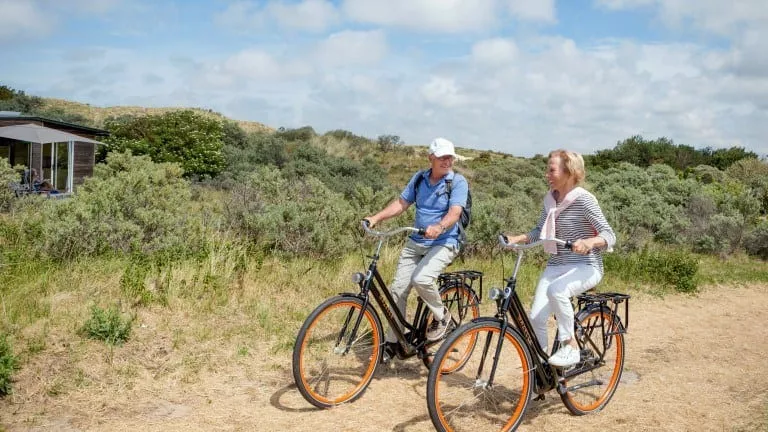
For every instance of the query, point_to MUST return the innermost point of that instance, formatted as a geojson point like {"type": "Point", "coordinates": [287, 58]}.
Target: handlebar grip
{"type": "Point", "coordinates": [422, 231]}
{"type": "Point", "coordinates": [568, 244]}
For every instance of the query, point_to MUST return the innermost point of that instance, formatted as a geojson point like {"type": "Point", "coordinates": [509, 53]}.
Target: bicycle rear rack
{"type": "Point", "coordinates": [603, 299]}
{"type": "Point", "coordinates": [463, 277]}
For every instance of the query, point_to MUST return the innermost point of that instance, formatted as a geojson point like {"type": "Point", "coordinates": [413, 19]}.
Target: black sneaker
{"type": "Point", "coordinates": [390, 352]}
{"type": "Point", "coordinates": [437, 328]}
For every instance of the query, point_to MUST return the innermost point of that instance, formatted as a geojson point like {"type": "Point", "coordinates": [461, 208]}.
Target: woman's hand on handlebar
{"type": "Point", "coordinates": [518, 239]}
{"type": "Point", "coordinates": [584, 246]}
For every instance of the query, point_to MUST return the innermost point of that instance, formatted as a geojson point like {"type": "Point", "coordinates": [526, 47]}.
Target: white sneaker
{"type": "Point", "coordinates": [565, 356]}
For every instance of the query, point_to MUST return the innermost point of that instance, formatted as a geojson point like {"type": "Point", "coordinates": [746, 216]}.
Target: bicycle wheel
{"type": "Point", "coordinates": [590, 391]}
{"type": "Point", "coordinates": [464, 306]}
{"type": "Point", "coordinates": [465, 400]}
{"type": "Point", "coordinates": [333, 362]}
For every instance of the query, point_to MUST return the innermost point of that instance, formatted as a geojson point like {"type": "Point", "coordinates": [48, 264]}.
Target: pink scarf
{"type": "Point", "coordinates": [553, 211]}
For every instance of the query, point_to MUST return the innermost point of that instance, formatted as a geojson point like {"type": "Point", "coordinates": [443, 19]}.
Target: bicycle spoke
{"type": "Point", "coordinates": [328, 373]}
{"type": "Point", "coordinates": [592, 384]}
{"type": "Point", "coordinates": [463, 399]}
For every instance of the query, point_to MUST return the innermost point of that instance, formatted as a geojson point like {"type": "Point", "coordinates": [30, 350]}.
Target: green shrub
{"type": "Point", "coordinates": [133, 281]}
{"type": "Point", "coordinates": [108, 325]}
{"type": "Point", "coordinates": [131, 205]}
{"type": "Point", "coordinates": [667, 267]}
{"type": "Point", "coordinates": [515, 214]}
{"type": "Point", "coordinates": [756, 241]}
{"type": "Point", "coordinates": [9, 363]}
{"type": "Point", "coordinates": [7, 176]}
{"type": "Point", "coordinates": [304, 133]}
{"type": "Point", "coordinates": [185, 137]}
{"type": "Point", "coordinates": [354, 141]}
{"type": "Point", "coordinates": [297, 217]}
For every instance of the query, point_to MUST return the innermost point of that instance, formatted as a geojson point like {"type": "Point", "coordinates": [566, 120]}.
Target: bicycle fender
{"type": "Point", "coordinates": [485, 318]}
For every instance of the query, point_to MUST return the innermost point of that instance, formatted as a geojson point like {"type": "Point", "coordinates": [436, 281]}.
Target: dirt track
{"type": "Point", "coordinates": [693, 363]}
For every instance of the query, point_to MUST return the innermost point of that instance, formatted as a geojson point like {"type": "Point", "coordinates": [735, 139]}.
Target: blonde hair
{"type": "Point", "coordinates": [572, 162]}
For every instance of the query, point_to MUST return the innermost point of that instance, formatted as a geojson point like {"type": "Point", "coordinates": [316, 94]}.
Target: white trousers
{"type": "Point", "coordinates": [553, 295]}
{"type": "Point", "coordinates": [418, 267]}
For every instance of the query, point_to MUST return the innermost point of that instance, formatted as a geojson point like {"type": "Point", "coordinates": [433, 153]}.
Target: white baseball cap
{"type": "Point", "coordinates": [441, 147]}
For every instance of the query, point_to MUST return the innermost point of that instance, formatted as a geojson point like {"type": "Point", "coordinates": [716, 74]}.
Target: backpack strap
{"type": "Point", "coordinates": [416, 183]}
{"type": "Point", "coordinates": [462, 232]}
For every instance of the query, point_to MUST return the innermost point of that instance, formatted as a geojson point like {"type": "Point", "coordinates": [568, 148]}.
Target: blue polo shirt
{"type": "Point", "coordinates": [432, 205]}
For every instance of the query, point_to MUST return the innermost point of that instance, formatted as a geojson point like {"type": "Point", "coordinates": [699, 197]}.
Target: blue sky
{"type": "Point", "coordinates": [518, 76]}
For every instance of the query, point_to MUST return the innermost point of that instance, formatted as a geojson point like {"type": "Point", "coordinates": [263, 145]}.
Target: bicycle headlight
{"type": "Point", "coordinates": [496, 293]}
{"type": "Point", "coordinates": [358, 277]}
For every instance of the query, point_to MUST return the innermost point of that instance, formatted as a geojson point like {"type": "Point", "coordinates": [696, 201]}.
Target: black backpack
{"type": "Point", "coordinates": [466, 211]}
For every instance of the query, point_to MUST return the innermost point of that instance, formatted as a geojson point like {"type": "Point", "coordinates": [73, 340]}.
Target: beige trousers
{"type": "Point", "coordinates": [418, 267]}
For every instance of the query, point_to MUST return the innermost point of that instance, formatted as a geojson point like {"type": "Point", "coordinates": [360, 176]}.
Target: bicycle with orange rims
{"type": "Point", "coordinates": [493, 386]}
{"type": "Point", "coordinates": [341, 343]}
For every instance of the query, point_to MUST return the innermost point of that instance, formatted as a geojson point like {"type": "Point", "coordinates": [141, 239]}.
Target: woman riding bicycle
{"type": "Point", "coordinates": [424, 257]}
{"type": "Point", "coordinates": [572, 213]}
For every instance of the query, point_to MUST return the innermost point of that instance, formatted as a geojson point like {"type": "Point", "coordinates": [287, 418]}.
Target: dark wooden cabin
{"type": "Point", "coordinates": [52, 160]}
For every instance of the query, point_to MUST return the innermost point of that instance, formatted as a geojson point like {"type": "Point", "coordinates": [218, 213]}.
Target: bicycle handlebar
{"type": "Point", "coordinates": [366, 223]}
{"type": "Point", "coordinates": [568, 244]}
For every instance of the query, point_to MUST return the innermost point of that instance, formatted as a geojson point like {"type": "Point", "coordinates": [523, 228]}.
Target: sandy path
{"type": "Point", "coordinates": [693, 363]}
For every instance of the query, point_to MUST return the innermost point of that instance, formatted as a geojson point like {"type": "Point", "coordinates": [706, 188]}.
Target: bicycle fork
{"type": "Point", "coordinates": [486, 384]}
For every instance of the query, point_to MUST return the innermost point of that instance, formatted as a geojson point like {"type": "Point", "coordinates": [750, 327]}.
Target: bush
{"type": "Point", "coordinates": [387, 143]}
{"type": "Point", "coordinates": [305, 133]}
{"type": "Point", "coordinates": [131, 205]}
{"type": "Point", "coordinates": [355, 141]}
{"type": "Point", "coordinates": [185, 137]}
{"type": "Point", "coordinates": [108, 325]}
{"type": "Point", "coordinates": [676, 268]}
{"type": "Point", "coordinates": [295, 217]}
{"type": "Point", "coordinates": [490, 216]}
{"type": "Point", "coordinates": [756, 241]}
{"type": "Point", "coordinates": [7, 176]}
{"type": "Point", "coordinates": [9, 363]}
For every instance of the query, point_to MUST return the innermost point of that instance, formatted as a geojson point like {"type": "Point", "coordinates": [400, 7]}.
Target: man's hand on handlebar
{"type": "Point", "coordinates": [433, 231]}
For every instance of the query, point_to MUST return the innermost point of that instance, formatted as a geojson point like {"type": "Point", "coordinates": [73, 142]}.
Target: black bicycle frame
{"type": "Point", "coordinates": [374, 284]}
{"type": "Point", "coordinates": [513, 306]}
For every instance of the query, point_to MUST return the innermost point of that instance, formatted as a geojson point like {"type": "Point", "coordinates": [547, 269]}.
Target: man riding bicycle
{"type": "Point", "coordinates": [440, 194]}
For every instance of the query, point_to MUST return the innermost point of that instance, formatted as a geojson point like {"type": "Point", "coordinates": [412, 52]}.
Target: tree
{"type": "Point", "coordinates": [185, 137]}
{"type": "Point", "coordinates": [387, 143]}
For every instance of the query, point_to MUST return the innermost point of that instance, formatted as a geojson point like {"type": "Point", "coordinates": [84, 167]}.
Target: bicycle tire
{"type": "Point", "coordinates": [326, 373]}
{"type": "Point", "coordinates": [462, 400]}
{"type": "Point", "coordinates": [592, 390]}
{"type": "Point", "coordinates": [464, 305]}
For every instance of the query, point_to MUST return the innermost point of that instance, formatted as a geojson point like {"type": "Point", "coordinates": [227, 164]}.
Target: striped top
{"type": "Point", "coordinates": [582, 219]}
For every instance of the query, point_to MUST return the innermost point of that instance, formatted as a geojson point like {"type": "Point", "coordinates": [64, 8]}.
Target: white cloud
{"type": "Point", "coordinates": [89, 6]}
{"type": "Point", "coordinates": [449, 16]}
{"type": "Point", "coordinates": [257, 65]}
{"type": "Point", "coordinates": [495, 52]}
{"type": "Point", "coordinates": [349, 47]}
{"type": "Point", "coordinates": [251, 16]}
{"type": "Point", "coordinates": [310, 15]}
{"type": "Point", "coordinates": [522, 95]}
{"type": "Point", "coordinates": [718, 16]}
{"type": "Point", "coordinates": [538, 10]}
{"type": "Point", "coordinates": [253, 63]}
{"type": "Point", "coordinates": [23, 19]}
{"type": "Point", "coordinates": [443, 92]}
{"type": "Point", "coordinates": [240, 16]}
